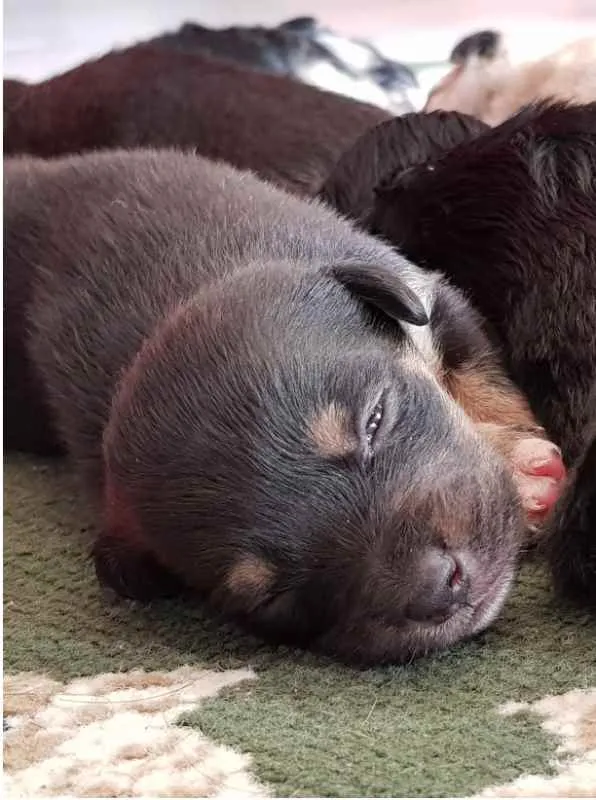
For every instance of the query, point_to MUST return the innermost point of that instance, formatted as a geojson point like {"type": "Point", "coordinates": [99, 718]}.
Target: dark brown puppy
{"type": "Point", "coordinates": [395, 145]}
{"type": "Point", "coordinates": [509, 216]}
{"type": "Point", "coordinates": [246, 386]}
{"type": "Point", "coordinates": [147, 95]}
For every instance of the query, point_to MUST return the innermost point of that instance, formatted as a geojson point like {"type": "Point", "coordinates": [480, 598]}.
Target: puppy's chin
{"type": "Point", "coordinates": [373, 640]}
{"type": "Point", "coordinates": [487, 609]}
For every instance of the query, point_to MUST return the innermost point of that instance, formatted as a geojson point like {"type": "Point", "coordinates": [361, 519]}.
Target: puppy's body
{"type": "Point", "coordinates": [150, 96]}
{"type": "Point", "coordinates": [243, 382]}
{"type": "Point", "coordinates": [509, 216]}
{"type": "Point", "coordinates": [572, 546]}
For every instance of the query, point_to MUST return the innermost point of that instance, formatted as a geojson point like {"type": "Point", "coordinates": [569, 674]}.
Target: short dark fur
{"type": "Point", "coordinates": [510, 217]}
{"type": "Point", "coordinates": [391, 147]}
{"type": "Point", "coordinates": [572, 550]}
{"type": "Point", "coordinates": [275, 50]}
{"type": "Point", "coordinates": [200, 375]}
{"type": "Point", "coordinates": [147, 95]}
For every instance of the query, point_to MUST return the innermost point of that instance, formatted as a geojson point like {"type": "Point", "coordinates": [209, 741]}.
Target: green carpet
{"type": "Point", "coordinates": [304, 725]}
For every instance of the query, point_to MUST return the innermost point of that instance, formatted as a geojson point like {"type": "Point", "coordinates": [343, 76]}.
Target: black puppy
{"type": "Point", "coordinates": [248, 387]}
{"type": "Point", "coordinates": [306, 51]}
{"type": "Point", "coordinates": [509, 216]}
{"type": "Point", "coordinates": [147, 95]}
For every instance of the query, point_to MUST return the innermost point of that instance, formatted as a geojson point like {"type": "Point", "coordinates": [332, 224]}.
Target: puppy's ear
{"type": "Point", "coordinates": [487, 44]}
{"type": "Point", "coordinates": [388, 150]}
{"type": "Point", "coordinates": [303, 26]}
{"type": "Point", "coordinates": [384, 289]}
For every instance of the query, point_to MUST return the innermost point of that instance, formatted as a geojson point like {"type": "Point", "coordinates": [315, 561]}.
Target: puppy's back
{"type": "Point", "coordinates": [148, 96]}
{"type": "Point", "coordinates": [102, 247]}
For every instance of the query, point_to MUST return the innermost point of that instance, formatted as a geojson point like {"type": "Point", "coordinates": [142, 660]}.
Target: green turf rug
{"type": "Point", "coordinates": [105, 699]}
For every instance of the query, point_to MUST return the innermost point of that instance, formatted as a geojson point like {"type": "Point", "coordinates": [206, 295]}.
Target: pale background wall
{"type": "Point", "coordinates": [42, 37]}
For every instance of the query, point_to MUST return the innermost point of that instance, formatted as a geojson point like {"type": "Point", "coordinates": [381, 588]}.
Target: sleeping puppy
{"type": "Point", "coordinates": [486, 83]}
{"type": "Point", "coordinates": [509, 216]}
{"type": "Point", "coordinates": [147, 95]}
{"type": "Point", "coordinates": [252, 394]}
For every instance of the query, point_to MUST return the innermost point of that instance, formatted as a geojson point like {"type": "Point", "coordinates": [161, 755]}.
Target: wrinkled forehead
{"type": "Point", "coordinates": [309, 310]}
{"type": "Point", "coordinates": [307, 339]}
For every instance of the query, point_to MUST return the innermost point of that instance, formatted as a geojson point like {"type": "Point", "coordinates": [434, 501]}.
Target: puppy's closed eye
{"type": "Point", "coordinates": [337, 432]}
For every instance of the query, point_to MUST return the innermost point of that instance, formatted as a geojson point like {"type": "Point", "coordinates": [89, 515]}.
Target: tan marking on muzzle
{"type": "Point", "coordinates": [332, 432]}
{"type": "Point", "coordinates": [250, 577]}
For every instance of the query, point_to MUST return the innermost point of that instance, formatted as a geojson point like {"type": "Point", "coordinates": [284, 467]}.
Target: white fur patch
{"type": "Point", "coordinates": [325, 76]}
{"type": "Point", "coordinates": [424, 284]}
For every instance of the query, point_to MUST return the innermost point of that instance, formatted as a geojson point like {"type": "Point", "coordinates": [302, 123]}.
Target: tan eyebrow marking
{"type": "Point", "coordinates": [250, 576]}
{"type": "Point", "coordinates": [332, 432]}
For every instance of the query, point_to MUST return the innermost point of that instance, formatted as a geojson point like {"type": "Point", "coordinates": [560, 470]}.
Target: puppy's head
{"type": "Point", "coordinates": [284, 446]}
{"type": "Point", "coordinates": [388, 150]}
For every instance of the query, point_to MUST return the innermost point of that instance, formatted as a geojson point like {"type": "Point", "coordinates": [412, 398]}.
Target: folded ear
{"type": "Point", "coordinates": [485, 44]}
{"type": "Point", "coordinates": [388, 150]}
{"type": "Point", "coordinates": [383, 288]}
{"type": "Point", "coordinates": [304, 26]}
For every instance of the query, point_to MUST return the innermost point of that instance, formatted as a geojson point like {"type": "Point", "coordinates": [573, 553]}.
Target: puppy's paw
{"type": "Point", "coordinates": [132, 573]}
{"type": "Point", "coordinates": [539, 474]}
{"type": "Point", "coordinates": [536, 466]}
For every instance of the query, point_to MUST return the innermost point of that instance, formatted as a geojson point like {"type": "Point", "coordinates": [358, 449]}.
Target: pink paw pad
{"type": "Point", "coordinates": [539, 473]}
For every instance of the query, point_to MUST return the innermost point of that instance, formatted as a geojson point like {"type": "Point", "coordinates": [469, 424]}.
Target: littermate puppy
{"type": "Point", "coordinates": [249, 389]}
{"type": "Point", "coordinates": [509, 216]}
{"type": "Point", "coordinates": [153, 96]}
{"type": "Point", "coordinates": [306, 51]}
{"type": "Point", "coordinates": [522, 251]}
{"type": "Point", "coordinates": [486, 83]}
{"type": "Point", "coordinates": [393, 146]}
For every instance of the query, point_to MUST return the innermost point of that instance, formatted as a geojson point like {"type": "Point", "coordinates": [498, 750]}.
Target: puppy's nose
{"type": "Point", "coordinates": [443, 585]}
